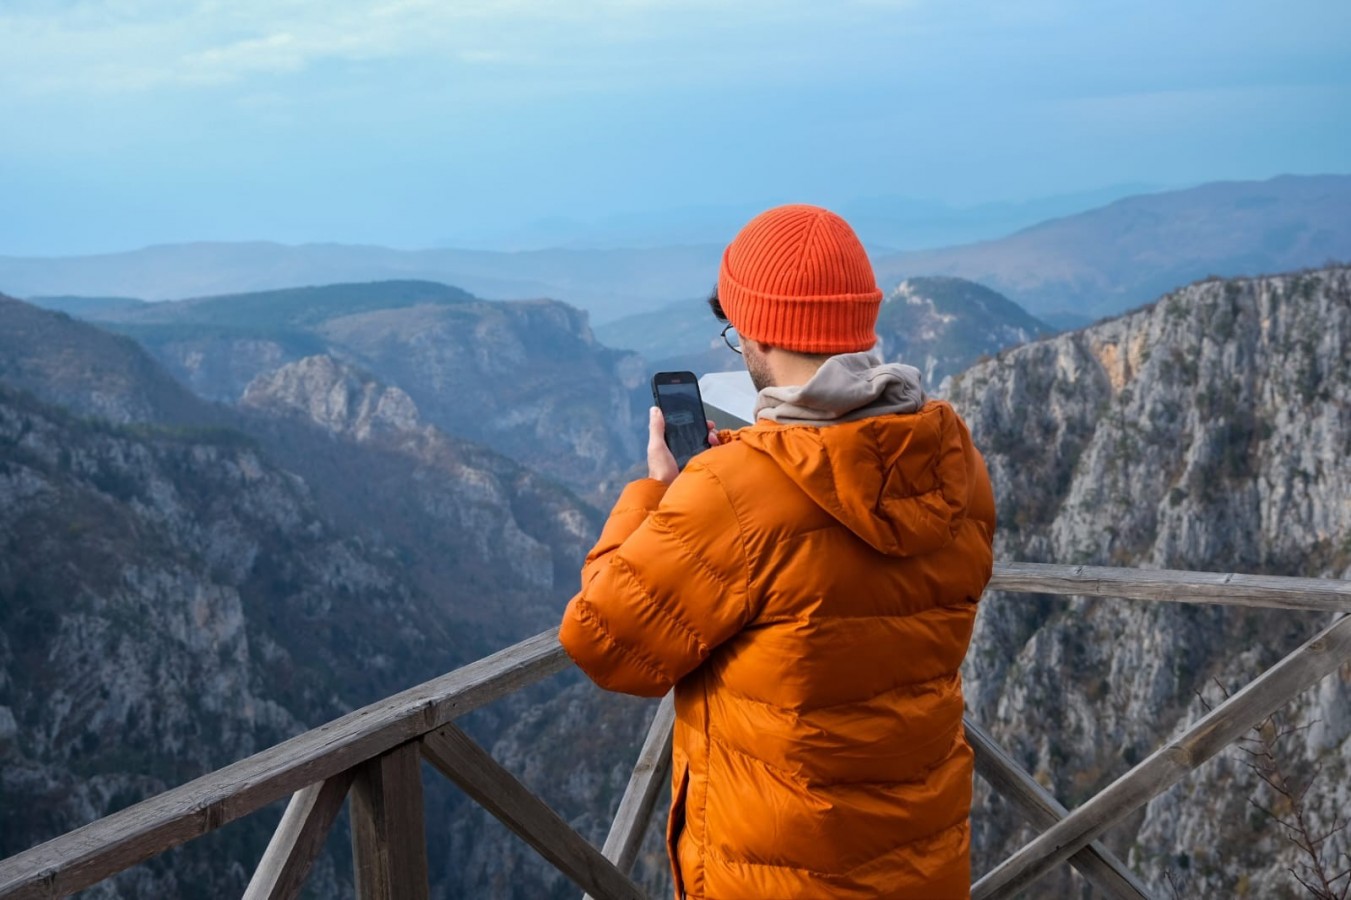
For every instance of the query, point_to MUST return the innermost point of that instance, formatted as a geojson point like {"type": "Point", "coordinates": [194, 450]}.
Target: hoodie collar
{"type": "Point", "coordinates": [847, 387]}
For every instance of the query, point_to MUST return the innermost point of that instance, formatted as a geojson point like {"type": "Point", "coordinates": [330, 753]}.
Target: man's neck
{"type": "Point", "coordinates": [791, 369]}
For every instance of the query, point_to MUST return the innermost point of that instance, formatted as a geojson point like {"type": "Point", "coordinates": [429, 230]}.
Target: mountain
{"type": "Point", "coordinates": [1107, 260]}
{"type": "Point", "coordinates": [1207, 431]}
{"type": "Point", "coordinates": [74, 364]}
{"type": "Point", "coordinates": [171, 602]}
{"type": "Point", "coordinates": [1096, 263]}
{"type": "Point", "coordinates": [607, 283]}
{"type": "Point", "coordinates": [86, 307]}
{"type": "Point", "coordinates": [940, 325]}
{"type": "Point", "coordinates": [943, 325]}
{"type": "Point", "coordinates": [880, 220]}
{"type": "Point", "coordinates": [192, 583]}
{"type": "Point", "coordinates": [526, 378]}
{"type": "Point", "coordinates": [481, 537]}
{"type": "Point", "coordinates": [679, 336]}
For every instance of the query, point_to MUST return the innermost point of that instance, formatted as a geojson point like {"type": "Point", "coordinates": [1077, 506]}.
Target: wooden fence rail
{"type": "Point", "coordinates": [83, 857]}
{"type": "Point", "coordinates": [370, 759]}
{"type": "Point", "coordinates": [1175, 586]}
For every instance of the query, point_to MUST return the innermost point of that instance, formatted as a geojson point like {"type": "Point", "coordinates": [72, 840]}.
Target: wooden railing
{"type": "Point", "coordinates": [370, 760]}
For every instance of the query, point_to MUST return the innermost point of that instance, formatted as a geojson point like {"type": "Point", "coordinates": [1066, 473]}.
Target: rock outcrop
{"type": "Point", "coordinates": [526, 378]}
{"type": "Point", "coordinates": [190, 584]}
{"type": "Point", "coordinates": [943, 325]}
{"type": "Point", "coordinates": [1207, 431]}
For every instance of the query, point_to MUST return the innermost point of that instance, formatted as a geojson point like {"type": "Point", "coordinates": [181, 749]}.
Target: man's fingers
{"type": "Point", "coordinates": [661, 464]}
{"type": "Point", "coordinates": [712, 432]}
{"type": "Point", "coordinates": [656, 429]}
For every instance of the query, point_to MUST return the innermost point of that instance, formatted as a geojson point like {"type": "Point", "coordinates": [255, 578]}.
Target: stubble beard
{"type": "Point", "coordinates": [759, 372]}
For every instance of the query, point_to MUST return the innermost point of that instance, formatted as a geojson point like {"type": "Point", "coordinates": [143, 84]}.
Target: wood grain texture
{"type": "Point", "coordinates": [298, 840]}
{"type": "Point", "coordinates": [480, 776]}
{"type": "Point", "coordinates": [1039, 807]}
{"type": "Point", "coordinates": [87, 855]}
{"type": "Point", "coordinates": [389, 839]}
{"type": "Point", "coordinates": [1324, 654]}
{"type": "Point", "coordinates": [634, 815]}
{"type": "Point", "coordinates": [1317, 594]}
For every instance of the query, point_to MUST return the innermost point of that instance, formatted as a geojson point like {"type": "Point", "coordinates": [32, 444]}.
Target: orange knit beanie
{"type": "Point", "coordinates": [797, 277]}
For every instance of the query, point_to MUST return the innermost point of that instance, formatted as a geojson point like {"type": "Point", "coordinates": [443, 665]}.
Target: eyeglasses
{"type": "Point", "coordinates": [735, 348]}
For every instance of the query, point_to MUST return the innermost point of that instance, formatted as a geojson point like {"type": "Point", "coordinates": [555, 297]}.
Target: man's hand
{"type": "Point", "coordinates": [661, 463]}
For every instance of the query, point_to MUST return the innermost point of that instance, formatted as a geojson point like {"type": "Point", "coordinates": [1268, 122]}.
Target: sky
{"type": "Point", "coordinates": [415, 123]}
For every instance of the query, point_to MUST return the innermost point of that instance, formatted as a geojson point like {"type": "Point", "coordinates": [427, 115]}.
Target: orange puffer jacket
{"type": "Point", "coordinates": [810, 593]}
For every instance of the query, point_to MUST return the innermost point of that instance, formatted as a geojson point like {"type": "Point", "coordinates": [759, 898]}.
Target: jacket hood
{"type": "Point", "coordinates": [848, 386]}
{"type": "Point", "coordinates": [901, 482]}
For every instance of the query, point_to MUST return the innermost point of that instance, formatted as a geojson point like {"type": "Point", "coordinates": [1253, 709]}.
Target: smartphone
{"type": "Point", "coordinates": [677, 394]}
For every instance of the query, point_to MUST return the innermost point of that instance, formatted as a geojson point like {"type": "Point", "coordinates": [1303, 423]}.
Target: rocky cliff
{"type": "Point", "coordinates": [480, 535]}
{"type": "Point", "coordinates": [1207, 431]}
{"type": "Point", "coordinates": [525, 378]}
{"type": "Point", "coordinates": [177, 593]}
{"type": "Point", "coordinates": [171, 602]}
{"type": "Point", "coordinates": [943, 325]}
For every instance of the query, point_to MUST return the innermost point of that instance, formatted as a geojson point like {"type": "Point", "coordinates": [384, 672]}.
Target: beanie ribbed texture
{"type": "Point", "coordinates": [797, 277]}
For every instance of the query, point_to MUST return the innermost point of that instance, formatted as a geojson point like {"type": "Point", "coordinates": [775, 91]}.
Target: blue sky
{"type": "Point", "coordinates": [421, 122]}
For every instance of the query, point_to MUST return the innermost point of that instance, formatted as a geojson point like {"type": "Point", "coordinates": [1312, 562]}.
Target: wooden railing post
{"type": "Point", "coordinates": [389, 841]}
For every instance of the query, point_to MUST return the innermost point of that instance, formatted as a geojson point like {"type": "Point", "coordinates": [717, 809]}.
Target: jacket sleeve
{"type": "Point", "coordinates": [666, 583]}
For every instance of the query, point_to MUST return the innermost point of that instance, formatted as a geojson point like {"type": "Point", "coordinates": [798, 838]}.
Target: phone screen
{"type": "Point", "coordinates": [677, 393]}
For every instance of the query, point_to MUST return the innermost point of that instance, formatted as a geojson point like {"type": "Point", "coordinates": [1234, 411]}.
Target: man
{"type": "Point", "coordinates": [808, 586]}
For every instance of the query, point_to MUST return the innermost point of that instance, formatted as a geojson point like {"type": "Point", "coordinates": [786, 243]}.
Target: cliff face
{"type": "Point", "coordinates": [943, 325]}
{"type": "Point", "coordinates": [169, 603]}
{"type": "Point", "coordinates": [1208, 431]}
{"type": "Point", "coordinates": [198, 583]}
{"type": "Point", "coordinates": [525, 378]}
{"type": "Point", "coordinates": [486, 538]}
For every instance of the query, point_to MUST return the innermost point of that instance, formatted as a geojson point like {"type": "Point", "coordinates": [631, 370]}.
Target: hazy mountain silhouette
{"type": "Point", "coordinates": [1125, 254]}
{"type": "Point", "coordinates": [1098, 262]}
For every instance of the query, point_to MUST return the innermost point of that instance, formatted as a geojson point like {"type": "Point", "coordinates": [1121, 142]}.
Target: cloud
{"type": "Point", "coordinates": [101, 46]}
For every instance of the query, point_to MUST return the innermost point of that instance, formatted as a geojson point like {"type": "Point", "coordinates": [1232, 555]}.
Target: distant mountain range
{"type": "Point", "coordinates": [885, 223]}
{"type": "Point", "coordinates": [1127, 253]}
{"type": "Point", "coordinates": [940, 325]}
{"type": "Point", "coordinates": [607, 283]}
{"type": "Point", "coordinates": [523, 377]}
{"type": "Point", "coordinates": [1089, 265]}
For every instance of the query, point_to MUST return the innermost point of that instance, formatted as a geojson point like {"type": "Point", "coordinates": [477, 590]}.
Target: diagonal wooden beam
{"type": "Point", "coordinates": [640, 797]}
{"type": "Point", "coordinates": [634, 814]}
{"type": "Point", "coordinates": [1095, 862]}
{"type": "Point", "coordinates": [299, 839]}
{"type": "Point", "coordinates": [480, 776]}
{"type": "Point", "coordinates": [1223, 725]}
